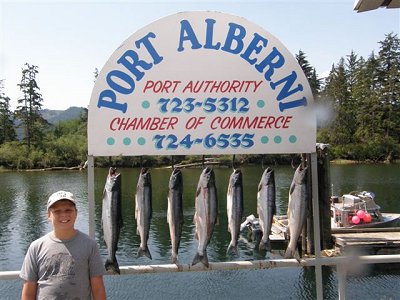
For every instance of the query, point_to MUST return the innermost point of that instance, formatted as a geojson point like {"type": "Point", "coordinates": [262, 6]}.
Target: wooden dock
{"type": "Point", "coordinates": [369, 240]}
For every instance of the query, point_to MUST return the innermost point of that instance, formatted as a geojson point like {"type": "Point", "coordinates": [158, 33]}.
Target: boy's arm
{"type": "Point", "coordinates": [29, 290]}
{"type": "Point", "coordinates": [98, 289]}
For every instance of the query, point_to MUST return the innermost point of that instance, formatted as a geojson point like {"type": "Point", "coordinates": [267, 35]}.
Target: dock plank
{"type": "Point", "coordinates": [367, 239]}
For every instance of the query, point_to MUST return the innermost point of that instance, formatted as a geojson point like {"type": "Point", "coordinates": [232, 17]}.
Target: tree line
{"type": "Point", "coordinates": [363, 96]}
{"type": "Point", "coordinates": [357, 105]}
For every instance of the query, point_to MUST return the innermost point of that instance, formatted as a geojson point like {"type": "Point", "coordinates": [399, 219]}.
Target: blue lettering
{"type": "Point", "coordinates": [234, 43]}
{"type": "Point", "coordinates": [288, 82]}
{"type": "Point", "coordinates": [131, 61]}
{"type": "Point", "coordinates": [123, 78]}
{"type": "Point", "coordinates": [292, 104]}
{"type": "Point", "coordinates": [253, 46]}
{"type": "Point", "coordinates": [149, 47]}
{"type": "Point", "coordinates": [122, 83]}
{"type": "Point", "coordinates": [274, 60]}
{"type": "Point", "coordinates": [209, 36]}
{"type": "Point", "coordinates": [187, 34]}
{"type": "Point", "coordinates": [107, 98]}
{"type": "Point", "coordinates": [231, 37]}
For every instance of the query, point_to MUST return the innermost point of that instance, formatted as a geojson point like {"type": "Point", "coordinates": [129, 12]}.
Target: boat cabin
{"type": "Point", "coordinates": [355, 209]}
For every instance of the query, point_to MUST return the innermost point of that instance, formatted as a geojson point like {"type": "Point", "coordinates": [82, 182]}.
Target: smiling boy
{"type": "Point", "coordinates": [65, 263]}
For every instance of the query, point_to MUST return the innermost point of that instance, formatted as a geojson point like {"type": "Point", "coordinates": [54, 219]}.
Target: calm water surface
{"type": "Point", "coordinates": [23, 218]}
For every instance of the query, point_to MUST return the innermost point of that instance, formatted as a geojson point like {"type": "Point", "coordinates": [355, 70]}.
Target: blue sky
{"type": "Point", "coordinates": [67, 40]}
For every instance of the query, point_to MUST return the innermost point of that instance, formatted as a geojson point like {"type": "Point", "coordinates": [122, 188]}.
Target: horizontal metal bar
{"type": "Point", "coordinates": [9, 275]}
{"type": "Point", "coordinates": [243, 265]}
{"type": "Point", "coordinates": [215, 266]}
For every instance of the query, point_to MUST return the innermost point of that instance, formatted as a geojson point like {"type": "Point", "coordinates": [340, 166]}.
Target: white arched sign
{"type": "Point", "coordinates": [201, 83]}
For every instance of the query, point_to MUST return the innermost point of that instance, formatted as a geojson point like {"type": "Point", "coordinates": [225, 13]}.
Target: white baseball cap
{"type": "Point", "coordinates": [60, 195]}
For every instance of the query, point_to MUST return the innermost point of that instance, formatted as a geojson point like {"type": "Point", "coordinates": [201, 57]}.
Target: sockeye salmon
{"type": "Point", "coordinates": [234, 207]}
{"type": "Point", "coordinates": [175, 211]}
{"type": "Point", "coordinates": [143, 211]}
{"type": "Point", "coordinates": [111, 218]}
{"type": "Point", "coordinates": [297, 209]}
{"type": "Point", "coordinates": [206, 212]}
{"type": "Point", "coordinates": [266, 206]}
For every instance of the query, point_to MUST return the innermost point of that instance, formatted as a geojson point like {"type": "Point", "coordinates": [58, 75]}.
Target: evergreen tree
{"type": "Point", "coordinates": [337, 90]}
{"type": "Point", "coordinates": [315, 83]}
{"type": "Point", "coordinates": [95, 74]}
{"type": "Point", "coordinates": [351, 71]}
{"type": "Point", "coordinates": [365, 95]}
{"type": "Point", "coordinates": [7, 131]}
{"type": "Point", "coordinates": [365, 90]}
{"type": "Point", "coordinates": [66, 144]}
{"type": "Point", "coordinates": [309, 72]}
{"type": "Point", "coordinates": [389, 80]}
{"type": "Point", "coordinates": [29, 107]}
{"type": "Point", "coordinates": [351, 104]}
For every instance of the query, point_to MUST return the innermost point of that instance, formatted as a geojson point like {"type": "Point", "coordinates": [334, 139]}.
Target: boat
{"type": "Point", "coordinates": [358, 210]}
{"type": "Point", "coordinates": [252, 230]}
{"type": "Point", "coordinates": [355, 211]}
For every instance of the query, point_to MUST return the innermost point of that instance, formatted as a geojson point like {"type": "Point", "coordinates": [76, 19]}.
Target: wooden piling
{"type": "Point", "coordinates": [324, 194]}
{"type": "Point", "coordinates": [310, 223]}
{"type": "Point", "coordinates": [324, 184]}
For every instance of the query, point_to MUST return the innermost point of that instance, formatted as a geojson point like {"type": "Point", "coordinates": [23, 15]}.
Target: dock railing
{"type": "Point", "coordinates": [341, 263]}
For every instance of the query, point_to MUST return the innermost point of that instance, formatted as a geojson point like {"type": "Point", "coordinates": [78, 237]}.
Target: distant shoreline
{"type": "Point", "coordinates": [349, 162]}
{"type": "Point", "coordinates": [191, 165]}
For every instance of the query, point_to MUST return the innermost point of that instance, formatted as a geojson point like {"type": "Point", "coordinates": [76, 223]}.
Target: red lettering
{"type": "Point", "coordinates": [159, 86]}
{"type": "Point", "coordinates": [287, 121]}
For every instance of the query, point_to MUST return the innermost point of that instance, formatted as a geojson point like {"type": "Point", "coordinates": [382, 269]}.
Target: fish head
{"type": "Point", "coordinates": [143, 171]}
{"type": "Point", "coordinates": [268, 176]}
{"type": "Point", "coordinates": [300, 176]}
{"type": "Point", "coordinates": [175, 179]}
{"type": "Point", "coordinates": [112, 170]}
{"type": "Point", "coordinates": [113, 179]}
{"type": "Point", "coordinates": [207, 176]}
{"type": "Point", "coordinates": [145, 176]}
{"type": "Point", "coordinates": [236, 178]}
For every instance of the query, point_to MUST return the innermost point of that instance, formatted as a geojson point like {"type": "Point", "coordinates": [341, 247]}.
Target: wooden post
{"type": "Point", "coordinates": [324, 186]}
{"type": "Point", "coordinates": [91, 204]}
{"type": "Point", "coordinates": [309, 222]}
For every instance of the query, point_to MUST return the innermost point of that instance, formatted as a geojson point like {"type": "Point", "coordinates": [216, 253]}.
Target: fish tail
{"type": "Point", "coordinates": [232, 249]}
{"type": "Point", "coordinates": [112, 264]}
{"type": "Point", "coordinates": [291, 253]}
{"type": "Point", "coordinates": [265, 245]}
{"type": "Point", "coordinates": [297, 255]}
{"type": "Point", "coordinates": [144, 251]}
{"type": "Point", "coordinates": [201, 258]}
{"type": "Point", "coordinates": [174, 258]}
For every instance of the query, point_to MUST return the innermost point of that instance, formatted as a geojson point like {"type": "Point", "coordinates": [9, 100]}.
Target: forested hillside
{"type": "Point", "coordinates": [55, 116]}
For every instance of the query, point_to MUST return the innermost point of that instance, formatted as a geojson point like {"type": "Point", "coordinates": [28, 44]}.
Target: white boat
{"type": "Point", "coordinates": [359, 210]}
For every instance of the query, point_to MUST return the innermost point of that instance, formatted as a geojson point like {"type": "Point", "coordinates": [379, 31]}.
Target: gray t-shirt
{"type": "Point", "coordinates": [62, 269]}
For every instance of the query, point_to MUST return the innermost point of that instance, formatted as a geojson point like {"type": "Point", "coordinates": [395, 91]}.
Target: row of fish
{"type": "Point", "coordinates": [206, 211]}
{"type": "Point", "coordinates": [111, 218]}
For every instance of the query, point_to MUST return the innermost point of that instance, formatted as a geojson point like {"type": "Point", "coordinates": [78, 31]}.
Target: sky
{"type": "Point", "coordinates": [68, 40]}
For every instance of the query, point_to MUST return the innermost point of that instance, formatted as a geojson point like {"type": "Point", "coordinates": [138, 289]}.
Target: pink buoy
{"type": "Point", "coordinates": [355, 219]}
{"type": "Point", "coordinates": [361, 214]}
{"type": "Point", "coordinates": [367, 218]}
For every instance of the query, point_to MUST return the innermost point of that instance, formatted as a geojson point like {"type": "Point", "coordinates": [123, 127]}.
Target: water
{"type": "Point", "coordinates": [23, 218]}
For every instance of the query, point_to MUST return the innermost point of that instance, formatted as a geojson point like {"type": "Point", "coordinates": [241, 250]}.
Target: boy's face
{"type": "Point", "coordinates": [63, 214]}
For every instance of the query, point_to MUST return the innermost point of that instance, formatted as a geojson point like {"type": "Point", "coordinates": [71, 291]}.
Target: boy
{"type": "Point", "coordinates": [65, 263]}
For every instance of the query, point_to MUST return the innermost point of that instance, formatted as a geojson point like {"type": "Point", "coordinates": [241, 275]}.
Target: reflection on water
{"type": "Point", "coordinates": [23, 218]}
